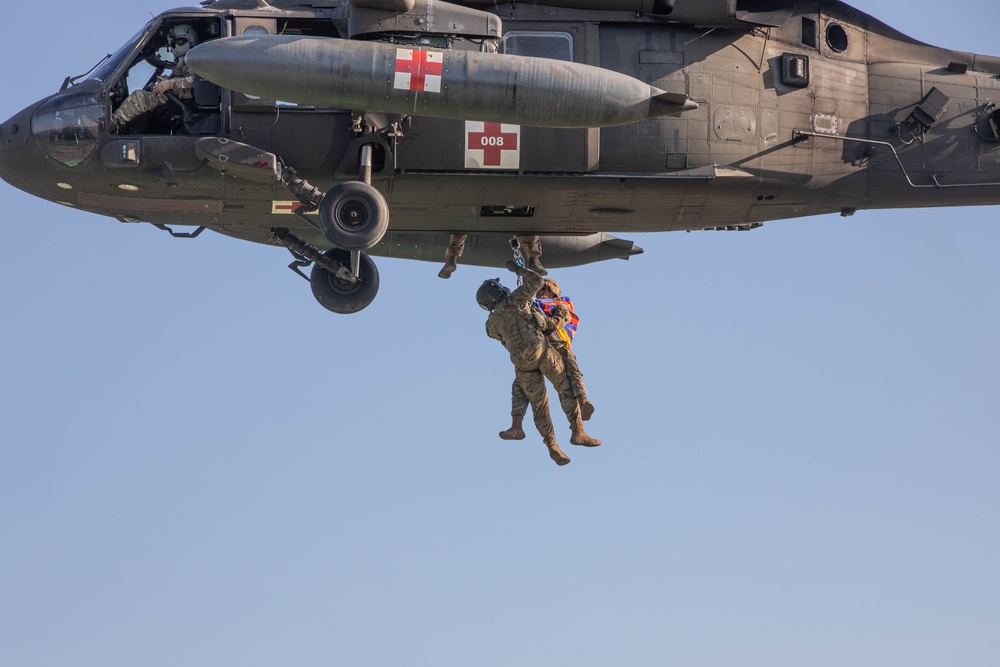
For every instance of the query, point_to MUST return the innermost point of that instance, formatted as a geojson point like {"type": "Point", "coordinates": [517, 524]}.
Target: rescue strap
{"type": "Point", "coordinates": [515, 245]}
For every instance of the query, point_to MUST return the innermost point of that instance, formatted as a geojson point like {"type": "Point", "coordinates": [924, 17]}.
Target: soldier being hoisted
{"type": "Point", "coordinates": [560, 324]}
{"type": "Point", "coordinates": [517, 324]}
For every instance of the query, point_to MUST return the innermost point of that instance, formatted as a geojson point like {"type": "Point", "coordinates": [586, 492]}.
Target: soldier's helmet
{"type": "Point", "coordinates": [490, 293]}
{"type": "Point", "coordinates": [181, 39]}
{"type": "Point", "coordinates": [553, 287]}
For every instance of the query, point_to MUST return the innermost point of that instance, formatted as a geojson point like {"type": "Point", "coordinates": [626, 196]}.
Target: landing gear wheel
{"type": "Point", "coordinates": [339, 296]}
{"type": "Point", "coordinates": [354, 215]}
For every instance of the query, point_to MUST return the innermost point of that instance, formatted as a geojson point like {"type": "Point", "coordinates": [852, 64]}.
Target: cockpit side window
{"type": "Point", "coordinates": [158, 93]}
{"type": "Point", "coordinates": [106, 69]}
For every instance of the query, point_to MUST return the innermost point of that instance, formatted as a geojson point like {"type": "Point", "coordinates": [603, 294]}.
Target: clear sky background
{"type": "Point", "coordinates": [201, 466]}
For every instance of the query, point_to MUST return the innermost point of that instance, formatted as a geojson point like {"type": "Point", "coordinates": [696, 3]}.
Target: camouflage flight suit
{"type": "Point", "coordinates": [548, 324]}
{"type": "Point", "coordinates": [180, 82]}
{"type": "Point", "coordinates": [517, 324]}
{"type": "Point", "coordinates": [551, 324]}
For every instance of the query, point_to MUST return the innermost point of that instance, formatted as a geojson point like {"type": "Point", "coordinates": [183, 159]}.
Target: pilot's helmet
{"type": "Point", "coordinates": [181, 39]}
{"type": "Point", "coordinates": [553, 287]}
{"type": "Point", "coordinates": [490, 293]}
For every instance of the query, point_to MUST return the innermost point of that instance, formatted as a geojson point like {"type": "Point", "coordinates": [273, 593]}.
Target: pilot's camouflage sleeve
{"type": "Point", "coordinates": [182, 78]}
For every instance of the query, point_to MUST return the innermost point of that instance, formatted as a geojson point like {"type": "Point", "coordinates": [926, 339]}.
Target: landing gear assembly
{"type": "Point", "coordinates": [345, 296]}
{"type": "Point", "coordinates": [354, 216]}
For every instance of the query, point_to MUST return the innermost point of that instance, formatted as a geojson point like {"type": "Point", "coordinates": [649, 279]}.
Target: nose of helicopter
{"type": "Point", "coordinates": [3, 148]}
{"type": "Point", "coordinates": [23, 164]}
{"type": "Point", "coordinates": [13, 137]}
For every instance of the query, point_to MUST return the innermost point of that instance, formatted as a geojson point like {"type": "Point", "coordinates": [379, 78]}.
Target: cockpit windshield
{"type": "Point", "coordinates": [107, 68]}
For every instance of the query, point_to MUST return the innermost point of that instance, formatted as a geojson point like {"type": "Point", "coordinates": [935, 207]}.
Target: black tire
{"type": "Point", "coordinates": [354, 215]}
{"type": "Point", "coordinates": [337, 296]}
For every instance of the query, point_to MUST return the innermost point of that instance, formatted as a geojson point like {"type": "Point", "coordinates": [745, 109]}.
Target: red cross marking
{"type": "Point", "coordinates": [493, 142]}
{"type": "Point", "coordinates": [418, 69]}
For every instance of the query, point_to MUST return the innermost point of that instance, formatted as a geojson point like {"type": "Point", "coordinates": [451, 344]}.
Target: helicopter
{"type": "Point", "coordinates": [349, 129]}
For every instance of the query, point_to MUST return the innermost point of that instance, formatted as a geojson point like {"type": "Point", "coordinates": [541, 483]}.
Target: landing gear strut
{"type": "Point", "coordinates": [342, 281]}
{"type": "Point", "coordinates": [354, 216]}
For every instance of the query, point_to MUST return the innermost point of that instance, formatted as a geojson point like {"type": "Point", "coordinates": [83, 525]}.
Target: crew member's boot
{"type": "Point", "coordinates": [531, 247]}
{"type": "Point", "coordinates": [515, 432]}
{"type": "Point", "coordinates": [557, 454]}
{"type": "Point", "coordinates": [580, 437]}
{"type": "Point", "coordinates": [456, 245]}
{"type": "Point", "coordinates": [450, 264]}
{"type": "Point", "coordinates": [586, 409]}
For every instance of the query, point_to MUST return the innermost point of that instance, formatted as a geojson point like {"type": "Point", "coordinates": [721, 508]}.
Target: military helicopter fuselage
{"type": "Point", "coordinates": [348, 128]}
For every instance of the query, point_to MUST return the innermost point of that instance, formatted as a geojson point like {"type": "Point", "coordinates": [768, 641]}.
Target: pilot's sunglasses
{"type": "Point", "coordinates": [179, 41]}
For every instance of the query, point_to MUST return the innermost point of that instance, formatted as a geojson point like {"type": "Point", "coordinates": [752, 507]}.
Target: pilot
{"type": "Point", "coordinates": [513, 322]}
{"type": "Point", "coordinates": [180, 39]}
{"type": "Point", "coordinates": [560, 324]}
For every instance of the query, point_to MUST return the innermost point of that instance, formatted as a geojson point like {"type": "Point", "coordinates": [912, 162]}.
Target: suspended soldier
{"type": "Point", "coordinates": [180, 39]}
{"type": "Point", "coordinates": [516, 323]}
{"type": "Point", "coordinates": [560, 325]}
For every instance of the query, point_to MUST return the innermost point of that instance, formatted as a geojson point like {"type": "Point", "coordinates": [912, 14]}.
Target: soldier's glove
{"type": "Point", "coordinates": [164, 85]}
{"type": "Point", "coordinates": [560, 310]}
{"type": "Point", "coordinates": [512, 266]}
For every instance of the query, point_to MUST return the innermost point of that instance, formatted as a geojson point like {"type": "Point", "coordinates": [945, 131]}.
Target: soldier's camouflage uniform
{"type": "Point", "coordinates": [518, 400]}
{"type": "Point", "coordinates": [180, 82]}
{"type": "Point", "coordinates": [513, 322]}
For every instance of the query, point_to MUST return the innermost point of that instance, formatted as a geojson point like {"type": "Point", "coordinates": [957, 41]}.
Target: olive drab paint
{"type": "Point", "coordinates": [569, 120]}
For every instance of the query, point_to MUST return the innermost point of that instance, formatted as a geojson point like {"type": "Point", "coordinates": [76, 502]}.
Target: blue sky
{"type": "Point", "coordinates": [201, 466]}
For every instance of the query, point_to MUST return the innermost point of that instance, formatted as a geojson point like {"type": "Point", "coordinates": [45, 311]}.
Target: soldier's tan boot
{"type": "Point", "coordinates": [580, 437]}
{"type": "Point", "coordinates": [557, 454]}
{"type": "Point", "coordinates": [515, 432]}
{"type": "Point", "coordinates": [586, 409]}
{"type": "Point", "coordinates": [450, 264]}
{"type": "Point", "coordinates": [456, 246]}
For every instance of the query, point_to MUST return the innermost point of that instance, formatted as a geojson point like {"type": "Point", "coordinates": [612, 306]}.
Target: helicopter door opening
{"type": "Point", "coordinates": [158, 94]}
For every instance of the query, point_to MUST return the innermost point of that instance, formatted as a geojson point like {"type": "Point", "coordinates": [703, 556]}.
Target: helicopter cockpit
{"type": "Point", "coordinates": [151, 59]}
{"type": "Point", "coordinates": [67, 126]}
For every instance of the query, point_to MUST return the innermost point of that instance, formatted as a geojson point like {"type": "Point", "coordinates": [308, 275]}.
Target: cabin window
{"type": "Point", "coordinates": [307, 27]}
{"type": "Point", "coordinates": [254, 30]}
{"type": "Point", "coordinates": [836, 37]}
{"type": "Point", "coordinates": [809, 33]}
{"type": "Point", "coordinates": [554, 45]}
